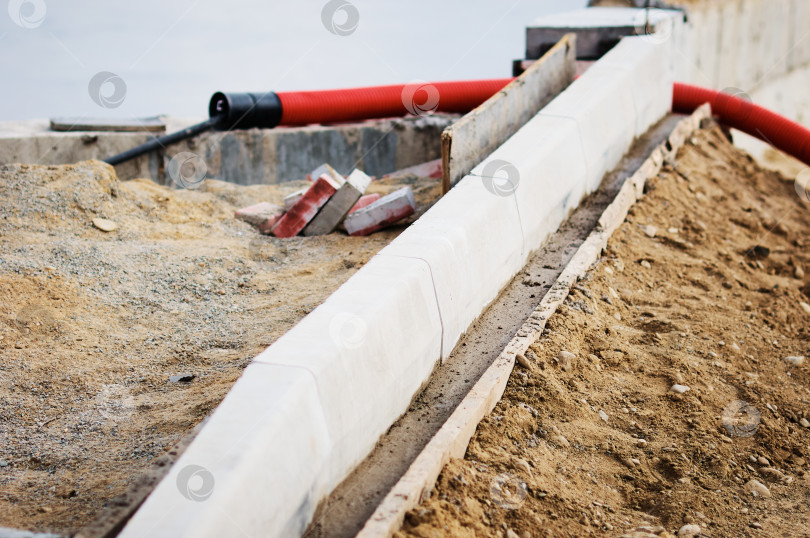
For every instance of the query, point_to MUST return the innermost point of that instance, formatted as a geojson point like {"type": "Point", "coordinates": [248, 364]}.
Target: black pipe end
{"type": "Point", "coordinates": [245, 110]}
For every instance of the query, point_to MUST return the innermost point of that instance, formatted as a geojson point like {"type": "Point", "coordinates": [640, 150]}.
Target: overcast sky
{"type": "Point", "coordinates": [168, 57]}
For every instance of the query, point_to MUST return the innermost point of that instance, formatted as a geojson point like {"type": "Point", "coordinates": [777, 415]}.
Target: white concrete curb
{"type": "Point", "coordinates": [455, 434]}
{"type": "Point", "coordinates": [313, 405]}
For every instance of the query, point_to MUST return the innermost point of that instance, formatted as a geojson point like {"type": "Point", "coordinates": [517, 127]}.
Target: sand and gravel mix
{"type": "Point", "coordinates": [94, 324]}
{"type": "Point", "coordinates": [670, 394]}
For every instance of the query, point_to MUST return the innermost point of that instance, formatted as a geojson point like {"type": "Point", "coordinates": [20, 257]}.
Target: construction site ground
{"type": "Point", "coordinates": [95, 325]}
{"type": "Point", "coordinates": [669, 395]}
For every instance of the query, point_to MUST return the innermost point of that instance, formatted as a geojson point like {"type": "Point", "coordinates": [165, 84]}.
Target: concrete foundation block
{"type": "Point", "coordinates": [365, 200]}
{"type": "Point", "coordinates": [339, 205]}
{"type": "Point", "coordinates": [369, 347]}
{"type": "Point", "coordinates": [269, 431]}
{"type": "Point", "coordinates": [291, 199]}
{"type": "Point", "coordinates": [473, 243]}
{"type": "Point", "coordinates": [384, 212]}
{"type": "Point", "coordinates": [306, 207]}
{"type": "Point", "coordinates": [263, 215]}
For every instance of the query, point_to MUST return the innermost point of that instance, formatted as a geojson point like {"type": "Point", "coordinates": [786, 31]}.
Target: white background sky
{"type": "Point", "coordinates": [173, 55]}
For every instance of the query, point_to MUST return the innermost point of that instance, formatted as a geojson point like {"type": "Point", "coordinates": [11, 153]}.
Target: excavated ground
{"type": "Point", "coordinates": [94, 324]}
{"type": "Point", "coordinates": [704, 287]}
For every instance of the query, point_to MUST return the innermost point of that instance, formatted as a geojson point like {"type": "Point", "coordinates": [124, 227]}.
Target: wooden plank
{"type": "Point", "coordinates": [468, 141]}
{"type": "Point", "coordinates": [153, 124]}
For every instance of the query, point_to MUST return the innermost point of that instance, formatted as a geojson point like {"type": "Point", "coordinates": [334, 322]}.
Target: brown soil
{"type": "Point", "coordinates": [93, 324]}
{"type": "Point", "coordinates": [696, 305]}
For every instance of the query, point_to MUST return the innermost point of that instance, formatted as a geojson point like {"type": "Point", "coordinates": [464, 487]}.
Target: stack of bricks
{"type": "Point", "coordinates": [332, 202]}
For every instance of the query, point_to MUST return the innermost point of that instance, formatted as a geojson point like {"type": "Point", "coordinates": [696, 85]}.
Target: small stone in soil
{"type": "Point", "coordinates": [679, 389]}
{"type": "Point", "coordinates": [603, 415]}
{"type": "Point", "coordinates": [181, 378]}
{"type": "Point", "coordinates": [689, 531]}
{"type": "Point", "coordinates": [757, 489]}
{"type": "Point", "coordinates": [805, 423]}
{"type": "Point", "coordinates": [649, 230]}
{"type": "Point", "coordinates": [795, 360]}
{"type": "Point", "coordinates": [645, 264]}
{"type": "Point", "coordinates": [565, 359]}
{"type": "Point", "coordinates": [105, 225]}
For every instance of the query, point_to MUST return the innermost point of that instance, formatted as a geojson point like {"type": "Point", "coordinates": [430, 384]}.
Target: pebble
{"type": "Point", "coordinates": [523, 361]}
{"type": "Point", "coordinates": [603, 415]}
{"type": "Point", "coordinates": [105, 225]}
{"type": "Point", "coordinates": [673, 230]}
{"type": "Point", "coordinates": [758, 489]}
{"type": "Point", "coordinates": [181, 378]}
{"type": "Point", "coordinates": [795, 360]}
{"type": "Point", "coordinates": [645, 264]}
{"type": "Point", "coordinates": [774, 475]}
{"type": "Point", "coordinates": [560, 440]}
{"type": "Point", "coordinates": [679, 389]}
{"type": "Point", "coordinates": [609, 271]}
{"type": "Point", "coordinates": [763, 461]}
{"type": "Point", "coordinates": [641, 443]}
{"type": "Point", "coordinates": [798, 272]}
{"type": "Point", "coordinates": [690, 531]}
{"type": "Point", "coordinates": [523, 465]}
{"type": "Point", "coordinates": [805, 307]}
{"type": "Point", "coordinates": [565, 359]}
{"type": "Point", "coordinates": [3, 463]}
{"type": "Point", "coordinates": [735, 347]}
{"type": "Point", "coordinates": [805, 423]}
{"type": "Point", "coordinates": [649, 230]}
{"type": "Point", "coordinates": [511, 534]}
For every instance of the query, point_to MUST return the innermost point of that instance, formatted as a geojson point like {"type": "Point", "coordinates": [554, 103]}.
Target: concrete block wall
{"type": "Point", "coordinates": [255, 156]}
{"type": "Point", "coordinates": [744, 44]}
{"type": "Point", "coordinates": [758, 48]}
{"type": "Point", "coordinates": [314, 404]}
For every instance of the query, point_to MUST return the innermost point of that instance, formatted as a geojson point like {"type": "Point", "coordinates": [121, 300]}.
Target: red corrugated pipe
{"type": "Point", "coordinates": [743, 115]}
{"type": "Point", "coordinates": [354, 104]}
{"type": "Point", "coordinates": [267, 110]}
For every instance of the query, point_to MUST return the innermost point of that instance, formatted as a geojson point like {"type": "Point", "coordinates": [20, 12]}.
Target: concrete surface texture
{"type": "Point", "coordinates": [255, 156]}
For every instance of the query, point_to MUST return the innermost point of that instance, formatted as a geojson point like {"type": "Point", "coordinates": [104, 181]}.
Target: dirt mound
{"type": "Point", "coordinates": [93, 323]}
{"type": "Point", "coordinates": [681, 391]}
